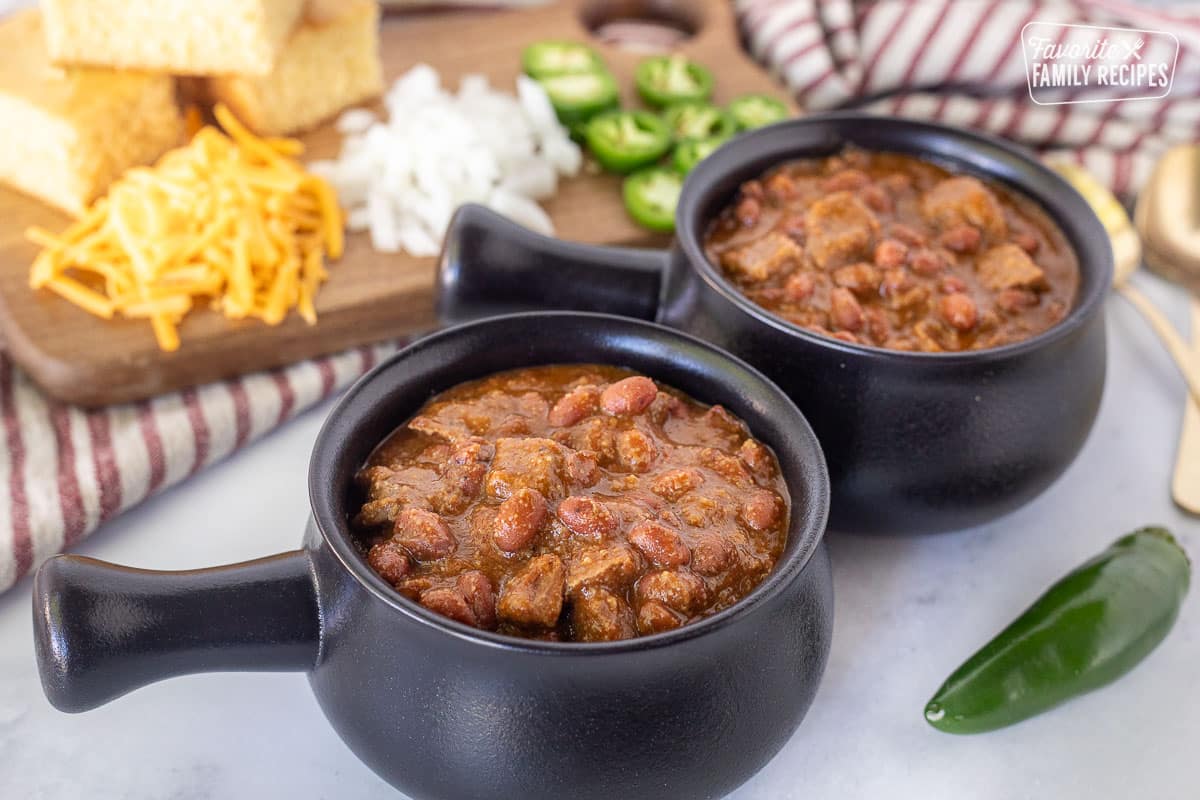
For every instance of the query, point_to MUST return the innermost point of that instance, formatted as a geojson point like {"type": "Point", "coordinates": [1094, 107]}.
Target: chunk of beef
{"type": "Point", "coordinates": [681, 591]}
{"type": "Point", "coordinates": [762, 258]}
{"type": "Point", "coordinates": [598, 615]}
{"type": "Point", "coordinates": [674, 484]}
{"type": "Point", "coordinates": [613, 567]}
{"type": "Point", "coordinates": [840, 230]}
{"type": "Point", "coordinates": [1009, 267]}
{"type": "Point", "coordinates": [963, 200]}
{"type": "Point", "coordinates": [530, 463]}
{"type": "Point", "coordinates": [534, 596]}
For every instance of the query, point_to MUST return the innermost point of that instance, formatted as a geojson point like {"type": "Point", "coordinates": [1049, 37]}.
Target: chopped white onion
{"type": "Point", "coordinates": [402, 178]}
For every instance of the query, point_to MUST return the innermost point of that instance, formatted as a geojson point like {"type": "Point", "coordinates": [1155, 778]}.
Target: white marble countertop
{"type": "Point", "coordinates": [908, 612]}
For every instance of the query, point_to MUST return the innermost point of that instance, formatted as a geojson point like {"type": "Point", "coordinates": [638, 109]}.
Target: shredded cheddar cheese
{"type": "Point", "coordinates": [230, 219]}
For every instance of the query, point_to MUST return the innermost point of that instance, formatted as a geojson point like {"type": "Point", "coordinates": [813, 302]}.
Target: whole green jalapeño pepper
{"type": "Point", "coordinates": [664, 80]}
{"type": "Point", "coordinates": [622, 141]}
{"type": "Point", "coordinates": [1086, 631]}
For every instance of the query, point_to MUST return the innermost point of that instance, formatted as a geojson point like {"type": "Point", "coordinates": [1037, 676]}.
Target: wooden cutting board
{"type": "Point", "coordinates": [369, 296]}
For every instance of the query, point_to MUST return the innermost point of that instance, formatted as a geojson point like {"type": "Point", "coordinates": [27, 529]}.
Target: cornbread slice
{"type": "Point", "coordinates": [66, 134]}
{"type": "Point", "coordinates": [325, 67]}
{"type": "Point", "coordinates": [180, 36]}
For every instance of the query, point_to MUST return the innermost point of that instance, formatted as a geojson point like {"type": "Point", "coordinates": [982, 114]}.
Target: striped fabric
{"type": "Point", "coordinates": [960, 62]}
{"type": "Point", "coordinates": [64, 471]}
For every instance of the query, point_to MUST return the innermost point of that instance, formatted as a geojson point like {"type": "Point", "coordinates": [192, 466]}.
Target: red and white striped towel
{"type": "Point", "coordinates": [64, 471]}
{"type": "Point", "coordinates": [961, 62]}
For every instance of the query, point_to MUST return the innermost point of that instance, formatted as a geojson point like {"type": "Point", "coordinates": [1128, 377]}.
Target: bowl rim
{"type": "Point", "coordinates": [803, 452]}
{"type": "Point", "coordinates": [754, 146]}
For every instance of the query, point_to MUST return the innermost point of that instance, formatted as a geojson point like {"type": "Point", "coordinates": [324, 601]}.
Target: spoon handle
{"type": "Point", "coordinates": [1186, 486]}
{"type": "Point", "coordinates": [1188, 363]}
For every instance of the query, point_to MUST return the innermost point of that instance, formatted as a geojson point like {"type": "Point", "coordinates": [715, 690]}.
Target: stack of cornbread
{"type": "Point", "coordinates": [91, 88]}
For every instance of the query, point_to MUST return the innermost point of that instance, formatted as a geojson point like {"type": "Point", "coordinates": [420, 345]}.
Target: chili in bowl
{"type": "Point", "coordinates": [572, 502]}
{"type": "Point", "coordinates": [953, 390]}
{"type": "Point", "coordinates": [444, 707]}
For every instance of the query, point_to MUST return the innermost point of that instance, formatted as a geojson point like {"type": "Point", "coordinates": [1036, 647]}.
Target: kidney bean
{"type": "Point", "coordinates": [598, 615]}
{"type": "Point", "coordinates": [909, 236]}
{"type": "Point", "coordinates": [636, 450]}
{"type": "Point", "coordinates": [895, 281]}
{"type": "Point", "coordinates": [846, 180]}
{"type": "Point", "coordinates": [681, 591]}
{"type": "Point", "coordinates": [952, 284]}
{"type": "Point", "coordinates": [654, 617]}
{"type": "Point", "coordinates": [748, 211]}
{"type": "Point", "coordinates": [711, 555]}
{"type": "Point", "coordinates": [629, 396]}
{"type": "Point", "coordinates": [663, 546]}
{"type": "Point", "coordinates": [519, 519]}
{"type": "Point", "coordinates": [890, 253]}
{"type": "Point", "coordinates": [877, 199]}
{"type": "Point", "coordinates": [424, 534]}
{"type": "Point", "coordinates": [780, 187]}
{"type": "Point", "coordinates": [927, 262]}
{"type": "Point", "coordinates": [752, 188]}
{"type": "Point", "coordinates": [1013, 300]}
{"type": "Point", "coordinates": [961, 239]}
{"type": "Point", "coordinates": [959, 310]}
{"type": "Point", "coordinates": [1027, 242]}
{"type": "Point", "coordinates": [845, 310]}
{"type": "Point", "coordinates": [390, 560]}
{"type": "Point", "coordinates": [799, 287]}
{"type": "Point", "coordinates": [477, 590]}
{"type": "Point", "coordinates": [861, 278]}
{"type": "Point", "coordinates": [574, 406]}
{"type": "Point", "coordinates": [534, 596]}
{"type": "Point", "coordinates": [587, 516]}
{"type": "Point", "coordinates": [757, 457]}
{"type": "Point", "coordinates": [845, 336]}
{"type": "Point", "coordinates": [761, 509]}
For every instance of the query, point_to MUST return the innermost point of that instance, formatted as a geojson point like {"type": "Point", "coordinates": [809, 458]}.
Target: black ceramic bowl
{"type": "Point", "coordinates": [446, 712]}
{"type": "Point", "coordinates": [916, 442]}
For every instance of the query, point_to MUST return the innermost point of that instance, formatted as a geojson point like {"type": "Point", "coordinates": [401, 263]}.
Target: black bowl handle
{"type": "Point", "coordinates": [490, 265]}
{"type": "Point", "coordinates": [101, 630]}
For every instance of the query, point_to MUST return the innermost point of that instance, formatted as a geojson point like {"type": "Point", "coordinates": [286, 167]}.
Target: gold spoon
{"type": "Point", "coordinates": [1127, 253]}
{"type": "Point", "coordinates": [1168, 219]}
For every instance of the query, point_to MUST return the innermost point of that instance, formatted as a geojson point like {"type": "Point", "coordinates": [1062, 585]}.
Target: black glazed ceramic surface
{"type": "Point", "coordinates": [446, 712]}
{"type": "Point", "coordinates": [916, 442]}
